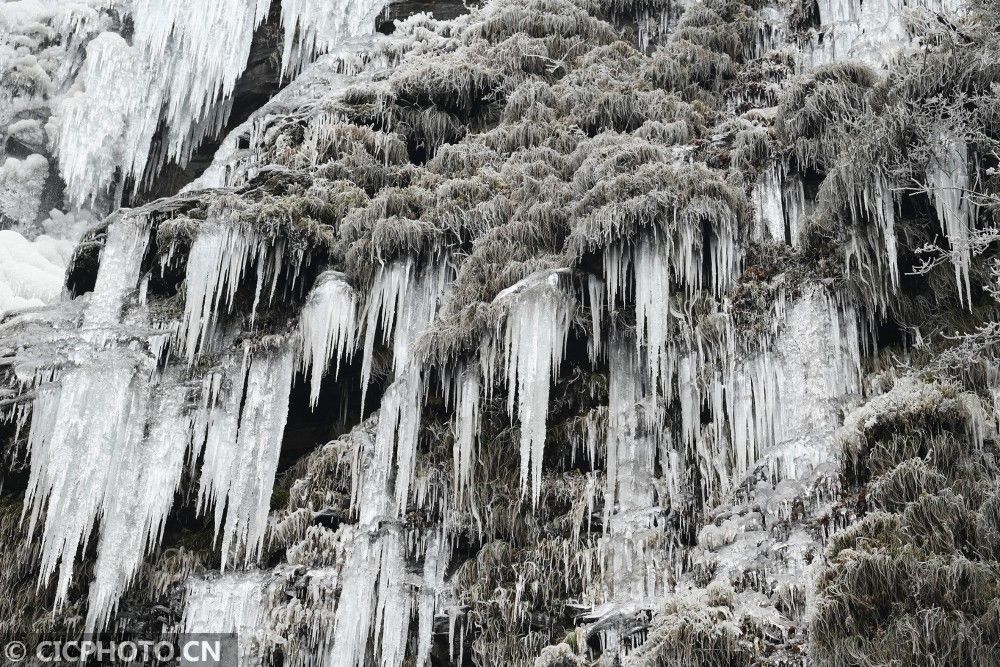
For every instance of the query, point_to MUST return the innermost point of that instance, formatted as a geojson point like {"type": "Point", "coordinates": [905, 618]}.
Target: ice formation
{"type": "Point", "coordinates": [374, 601]}
{"type": "Point", "coordinates": [467, 420]}
{"type": "Point", "coordinates": [328, 324]}
{"type": "Point", "coordinates": [870, 31]}
{"type": "Point", "coordinates": [644, 263]}
{"type": "Point", "coordinates": [87, 430]}
{"type": "Point", "coordinates": [175, 75]}
{"type": "Point", "coordinates": [220, 257]}
{"type": "Point", "coordinates": [534, 342]}
{"type": "Point", "coordinates": [243, 437]}
{"type": "Point", "coordinates": [233, 603]}
{"type": "Point", "coordinates": [312, 27]}
{"type": "Point", "coordinates": [136, 505]}
{"type": "Point", "coordinates": [118, 277]}
{"type": "Point", "coordinates": [948, 179]}
{"type": "Point", "coordinates": [81, 431]}
{"type": "Point", "coordinates": [21, 185]}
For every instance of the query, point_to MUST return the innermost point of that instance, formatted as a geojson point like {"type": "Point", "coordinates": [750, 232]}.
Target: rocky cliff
{"type": "Point", "coordinates": [542, 332]}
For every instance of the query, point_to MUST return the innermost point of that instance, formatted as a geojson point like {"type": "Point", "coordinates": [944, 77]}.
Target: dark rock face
{"type": "Point", "coordinates": [442, 10]}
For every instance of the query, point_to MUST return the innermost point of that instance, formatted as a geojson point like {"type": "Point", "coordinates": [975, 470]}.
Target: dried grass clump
{"type": "Point", "coordinates": [673, 200]}
{"type": "Point", "coordinates": [694, 633]}
{"type": "Point", "coordinates": [543, 18]}
{"type": "Point", "coordinates": [905, 483]}
{"type": "Point", "coordinates": [817, 112]}
{"type": "Point", "coordinates": [915, 581]}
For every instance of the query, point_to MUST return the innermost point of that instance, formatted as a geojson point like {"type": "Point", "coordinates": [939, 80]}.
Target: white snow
{"type": "Point", "coordinates": [31, 272]}
{"type": "Point", "coordinates": [21, 186]}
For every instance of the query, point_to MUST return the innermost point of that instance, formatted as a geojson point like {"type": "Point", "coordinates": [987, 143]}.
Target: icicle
{"type": "Point", "coordinates": [651, 270]}
{"type": "Point", "coordinates": [242, 444]}
{"type": "Point", "coordinates": [375, 602]}
{"type": "Point", "coordinates": [770, 206]}
{"type": "Point", "coordinates": [872, 209]}
{"type": "Point", "coordinates": [399, 430]}
{"type": "Point", "coordinates": [402, 306]}
{"type": "Point", "coordinates": [385, 300]}
{"type": "Point", "coordinates": [230, 604]}
{"type": "Point", "coordinates": [786, 395]}
{"type": "Point", "coordinates": [79, 431]}
{"type": "Point", "coordinates": [185, 57]}
{"type": "Point", "coordinates": [948, 180]}
{"type": "Point", "coordinates": [435, 566]}
{"type": "Point", "coordinates": [109, 122]}
{"type": "Point", "coordinates": [117, 276]}
{"type": "Point", "coordinates": [87, 425]}
{"type": "Point", "coordinates": [328, 327]}
{"type": "Point", "coordinates": [136, 502]}
{"type": "Point", "coordinates": [467, 398]}
{"type": "Point", "coordinates": [630, 575]}
{"type": "Point", "coordinates": [630, 451]}
{"type": "Point", "coordinates": [219, 258]}
{"type": "Point", "coordinates": [534, 343]}
{"type": "Point", "coordinates": [595, 292]}
{"type": "Point", "coordinates": [312, 27]}
{"type": "Point", "coordinates": [796, 208]}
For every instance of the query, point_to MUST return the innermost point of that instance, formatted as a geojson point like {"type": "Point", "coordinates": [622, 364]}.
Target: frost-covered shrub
{"type": "Point", "coordinates": [914, 581]}
{"type": "Point", "coordinates": [905, 483]}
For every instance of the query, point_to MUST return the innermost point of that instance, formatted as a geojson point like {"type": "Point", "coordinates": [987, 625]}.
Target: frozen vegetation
{"type": "Point", "coordinates": [560, 333]}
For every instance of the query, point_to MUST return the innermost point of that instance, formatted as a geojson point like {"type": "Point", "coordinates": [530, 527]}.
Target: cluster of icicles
{"type": "Point", "coordinates": [112, 432]}
{"type": "Point", "coordinates": [781, 208]}
{"type": "Point", "coordinates": [177, 75]}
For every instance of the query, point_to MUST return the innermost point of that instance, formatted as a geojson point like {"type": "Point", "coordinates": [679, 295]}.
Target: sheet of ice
{"type": "Point", "coordinates": [232, 603]}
